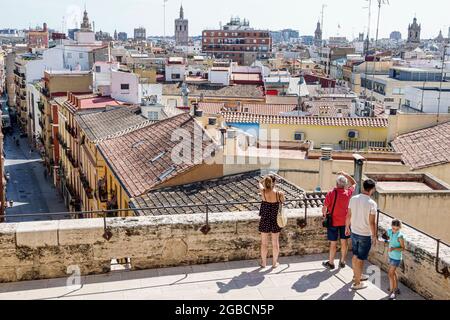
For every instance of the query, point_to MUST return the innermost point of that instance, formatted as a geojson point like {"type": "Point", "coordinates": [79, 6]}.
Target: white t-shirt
{"type": "Point", "coordinates": [362, 206]}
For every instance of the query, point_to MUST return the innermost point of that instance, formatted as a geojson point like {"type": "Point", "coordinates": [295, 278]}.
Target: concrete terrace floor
{"type": "Point", "coordinates": [298, 278]}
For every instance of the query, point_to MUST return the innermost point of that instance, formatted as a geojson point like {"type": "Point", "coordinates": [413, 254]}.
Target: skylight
{"type": "Point", "coordinates": [159, 156]}
{"type": "Point", "coordinates": [166, 173]}
{"type": "Point", "coordinates": [137, 144]}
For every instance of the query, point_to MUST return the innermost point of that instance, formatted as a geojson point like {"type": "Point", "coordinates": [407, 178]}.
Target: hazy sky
{"type": "Point", "coordinates": [301, 15]}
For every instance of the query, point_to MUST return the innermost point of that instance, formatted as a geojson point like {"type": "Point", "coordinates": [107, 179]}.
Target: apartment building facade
{"type": "Point", "coordinates": [238, 42]}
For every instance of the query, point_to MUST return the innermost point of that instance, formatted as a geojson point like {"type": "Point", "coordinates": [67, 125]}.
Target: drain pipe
{"type": "Point", "coordinates": [358, 171]}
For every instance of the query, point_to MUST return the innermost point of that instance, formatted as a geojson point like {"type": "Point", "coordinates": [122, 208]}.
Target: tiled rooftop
{"type": "Point", "coordinates": [237, 90]}
{"type": "Point", "coordinates": [297, 278]}
{"type": "Point", "coordinates": [425, 148]}
{"type": "Point", "coordinates": [229, 191]}
{"type": "Point", "coordinates": [109, 122]}
{"type": "Point", "coordinates": [141, 159]}
{"type": "Point", "coordinates": [238, 117]}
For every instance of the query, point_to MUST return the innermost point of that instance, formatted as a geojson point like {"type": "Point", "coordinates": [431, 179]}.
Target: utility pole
{"type": "Point", "coordinates": [164, 5]}
{"type": "Point", "coordinates": [321, 26]}
{"type": "Point", "coordinates": [367, 46]}
{"type": "Point", "coordinates": [444, 55]}
{"type": "Point", "coordinates": [380, 2]}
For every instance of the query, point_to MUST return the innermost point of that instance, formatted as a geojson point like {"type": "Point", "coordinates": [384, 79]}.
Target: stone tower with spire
{"type": "Point", "coordinates": [318, 35]}
{"type": "Point", "coordinates": [414, 30]}
{"type": "Point", "coordinates": [85, 25]}
{"type": "Point", "coordinates": [181, 29]}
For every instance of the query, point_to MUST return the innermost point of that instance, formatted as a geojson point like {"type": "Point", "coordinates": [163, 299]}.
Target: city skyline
{"type": "Point", "coordinates": [348, 20]}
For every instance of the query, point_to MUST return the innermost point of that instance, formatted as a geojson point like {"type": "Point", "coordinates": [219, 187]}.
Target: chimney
{"type": "Point", "coordinates": [358, 171]}
{"type": "Point", "coordinates": [326, 179]}
{"type": "Point", "coordinates": [45, 27]}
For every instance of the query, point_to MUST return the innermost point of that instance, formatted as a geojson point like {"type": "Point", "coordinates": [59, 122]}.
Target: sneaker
{"type": "Point", "coordinates": [360, 286]}
{"type": "Point", "coordinates": [392, 296]}
{"type": "Point", "coordinates": [328, 265]}
{"type": "Point", "coordinates": [342, 265]}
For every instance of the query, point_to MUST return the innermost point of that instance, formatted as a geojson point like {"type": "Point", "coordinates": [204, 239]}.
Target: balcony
{"type": "Point", "coordinates": [102, 191]}
{"type": "Point", "coordinates": [41, 106]}
{"type": "Point", "coordinates": [86, 186]}
{"type": "Point", "coordinates": [71, 158]}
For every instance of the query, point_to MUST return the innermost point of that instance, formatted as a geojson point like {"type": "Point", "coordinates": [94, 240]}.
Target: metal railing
{"type": "Point", "coordinates": [445, 271]}
{"type": "Point", "coordinates": [302, 223]}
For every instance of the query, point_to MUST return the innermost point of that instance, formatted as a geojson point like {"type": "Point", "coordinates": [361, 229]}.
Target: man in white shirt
{"type": "Point", "coordinates": [361, 224]}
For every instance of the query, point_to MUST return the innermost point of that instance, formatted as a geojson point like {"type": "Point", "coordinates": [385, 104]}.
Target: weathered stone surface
{"type": "Point", "coordinates": [37, 234]}
{"type": "Point", "coordinates": [418, 270]}
{"type": "Point", "coordinates": [47, 250]}
{"type": "Point", "coordinates": [83, 231]}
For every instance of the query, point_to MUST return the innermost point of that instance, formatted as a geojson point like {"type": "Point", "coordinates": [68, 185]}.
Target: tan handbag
{"type": "Point", "coordinates": [281, 217]}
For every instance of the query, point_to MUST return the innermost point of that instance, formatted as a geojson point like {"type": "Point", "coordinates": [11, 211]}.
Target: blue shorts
{"type": "Point", "coordinates": [361, 246]}
{"type": "Point", "coordinates": [335, 233]}
{"type": "Point", "coordinates": [394, 263]}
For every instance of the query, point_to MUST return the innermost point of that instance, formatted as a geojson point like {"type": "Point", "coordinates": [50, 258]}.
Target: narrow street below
{"type": "Point", "coordinates": [28, 187]}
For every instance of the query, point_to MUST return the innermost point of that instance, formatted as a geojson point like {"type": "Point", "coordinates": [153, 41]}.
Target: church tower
{"type": "Point", "coordinates": [318, 36]}
{"type": "Point", "coordinates": [181, 29]}
{"type": "Point", "coordinates": [414, 30]}
{"type": "Point", "coordinates": [85, 25]}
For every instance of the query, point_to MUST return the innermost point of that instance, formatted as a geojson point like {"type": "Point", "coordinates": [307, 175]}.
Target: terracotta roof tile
{"type": "Point", "coordinates": [109, 122]}
{"type": "Point", "coordinates": [225, 193]}
{"type": "Point", "coordinates": [238, 117]}
{"type": "Point", "coordinates": [142, 159]}
{"type": "Point", "coordinates": [426, 147]}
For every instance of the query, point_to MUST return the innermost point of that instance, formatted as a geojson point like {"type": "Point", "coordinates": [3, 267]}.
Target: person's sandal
{"type": "Point", "coordinates": [363, 278]}
{"type": "Point", "coordinates": [275, 266]}
{"type": "Point", "coordinates": [360, 286]}
{"type": "Point", "coordinates": [261, 265]}
{"type": "Point", "coordinates": [328, 265]}
{"type": "Point", "coordinates": [342, 265]}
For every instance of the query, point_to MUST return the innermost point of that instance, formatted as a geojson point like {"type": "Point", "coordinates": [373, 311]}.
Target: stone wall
{"type": "Point", "coordinates": [418, 270]}
{"type": "Point", "coordinates": [40, 250]}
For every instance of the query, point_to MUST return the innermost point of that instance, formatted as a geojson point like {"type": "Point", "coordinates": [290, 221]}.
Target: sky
{"type": "Point", "coordinates": [341, 17]}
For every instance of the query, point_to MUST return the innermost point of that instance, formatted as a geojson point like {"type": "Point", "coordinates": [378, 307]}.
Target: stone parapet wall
{"type": "Point", "coordinates": [418, 270]}
{"type": "Point", "coordinates": [41, 250]}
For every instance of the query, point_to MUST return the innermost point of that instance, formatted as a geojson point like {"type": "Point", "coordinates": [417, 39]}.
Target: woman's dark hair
{"type": "Point", "coordinates": [397, 223]}
{"type": "Point", "coordinates": [369, 185]}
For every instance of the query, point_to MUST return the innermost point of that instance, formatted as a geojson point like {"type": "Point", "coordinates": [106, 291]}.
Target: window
{"type": "Point", "coordinates": [125, 86]}
{"type": "Point", "coordinates": [153, 115]}
{"type": "Point", "coordinates": [176, 76]}
{"type": "Point", "coordinates": [98, 69]}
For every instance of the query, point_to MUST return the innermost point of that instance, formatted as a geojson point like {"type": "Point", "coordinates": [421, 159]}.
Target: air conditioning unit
{"type": "Point", "coordinates": [212, 121]}
{"type": "Point", "coordinates": [299, 136]}
{"type": "Point", "coordinates": [352, 134]}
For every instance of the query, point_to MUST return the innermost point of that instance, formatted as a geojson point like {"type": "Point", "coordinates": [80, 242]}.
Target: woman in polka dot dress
{"type": "Point", "coordinates": [271, 199]}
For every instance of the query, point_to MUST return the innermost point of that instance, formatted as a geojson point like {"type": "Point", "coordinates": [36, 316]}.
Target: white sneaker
{"type": "Point", "coordinates": [393, 296]}
{"type": "Point", "coordinates": [360, 286]}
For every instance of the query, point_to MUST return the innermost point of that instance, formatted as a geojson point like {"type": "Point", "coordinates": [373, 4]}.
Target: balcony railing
{"type": "Point", "coordinates": [41, 106]}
